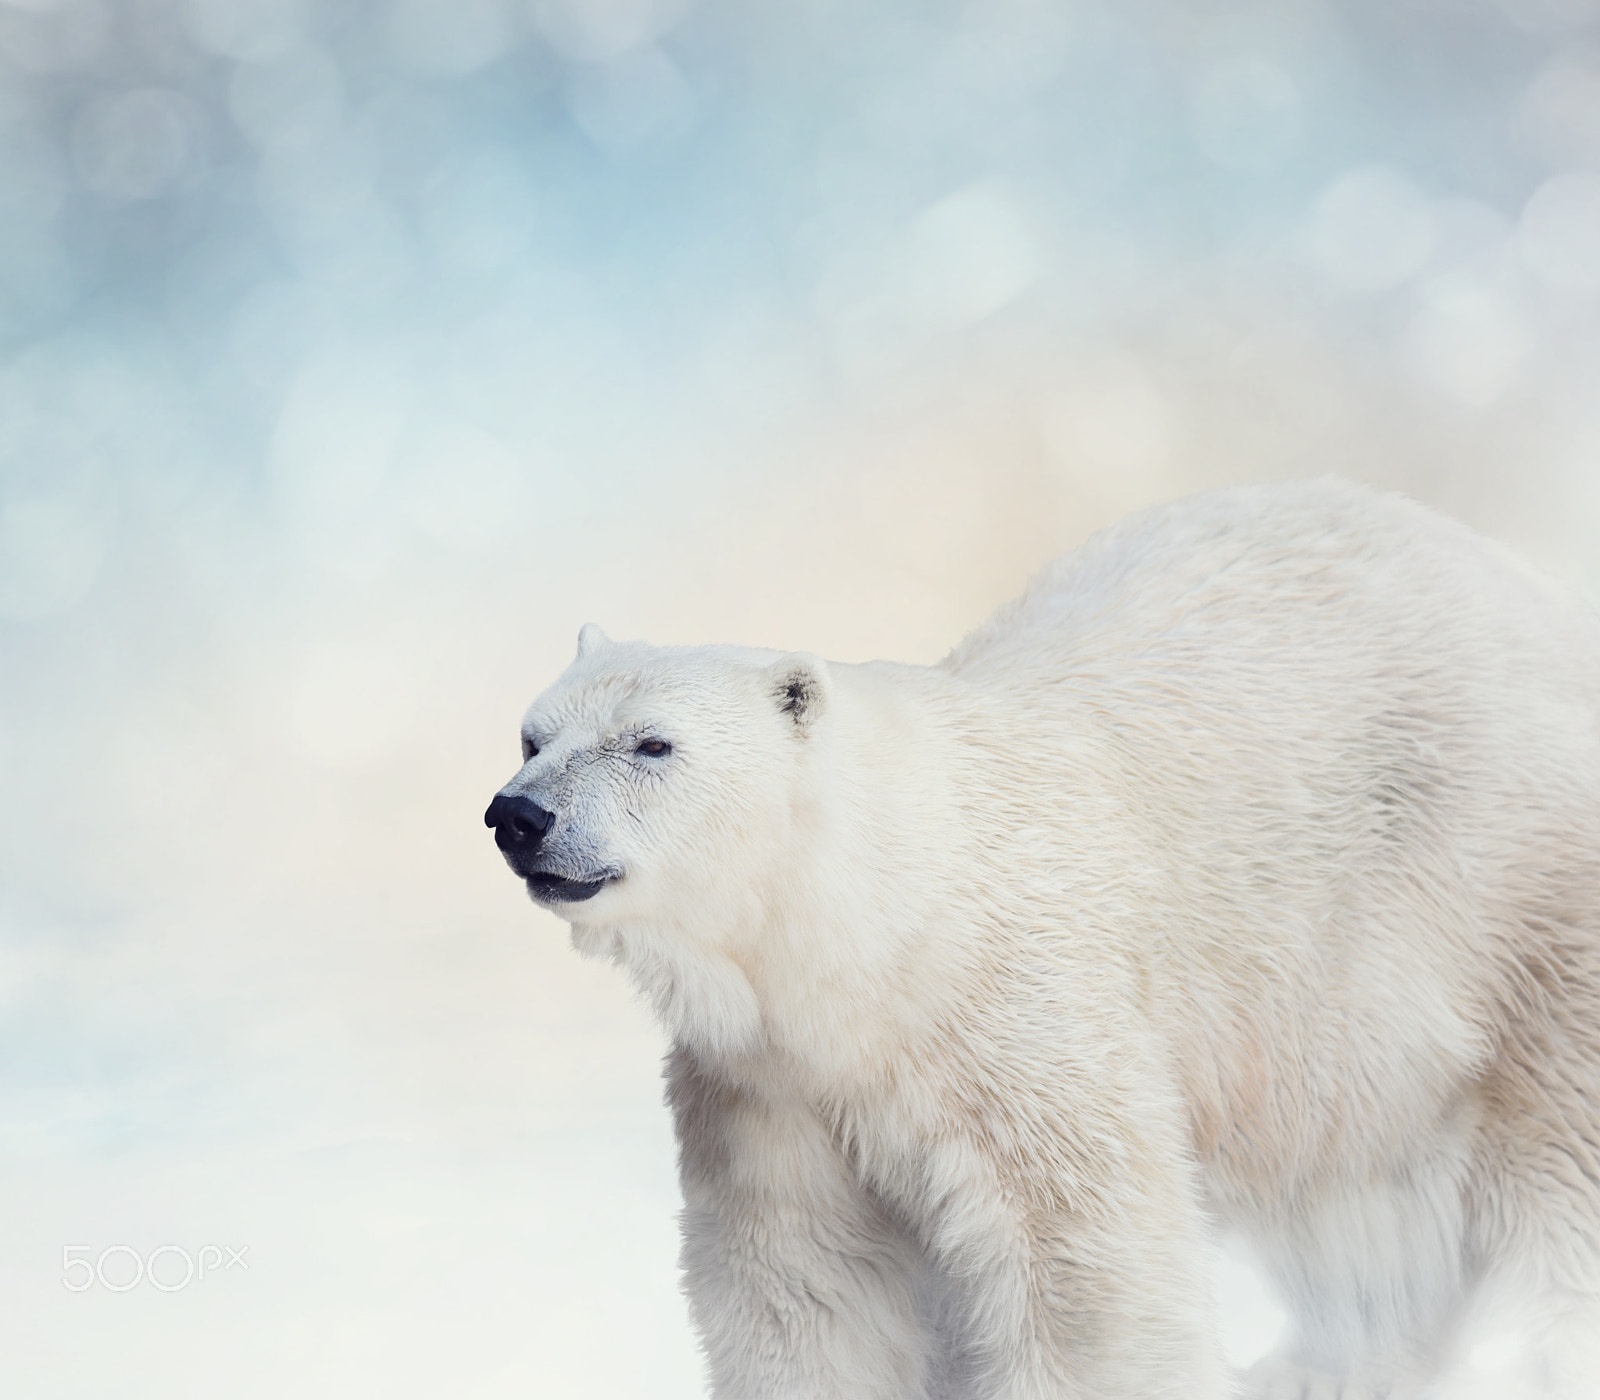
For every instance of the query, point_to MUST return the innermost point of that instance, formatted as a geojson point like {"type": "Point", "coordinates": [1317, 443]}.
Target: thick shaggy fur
{"type": "Point", "coordinates": [1244, 872]}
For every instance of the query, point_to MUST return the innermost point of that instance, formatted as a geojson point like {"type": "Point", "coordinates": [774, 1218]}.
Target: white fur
{"type": "Point", "coordinates": [1246, 870]}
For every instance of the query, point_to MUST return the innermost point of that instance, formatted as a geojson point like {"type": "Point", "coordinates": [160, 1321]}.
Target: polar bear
{"type": "Point", "coordinates": [1244, 873]}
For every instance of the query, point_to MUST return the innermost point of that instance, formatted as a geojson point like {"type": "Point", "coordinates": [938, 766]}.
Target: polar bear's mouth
{"type": "Point", "coordinates": [557, 889]}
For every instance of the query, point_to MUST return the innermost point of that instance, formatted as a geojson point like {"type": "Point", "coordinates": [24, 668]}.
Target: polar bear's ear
{"type": "Point", "coordinates": [590, 640]}
{"type": "Point", "coordinates": [800, 687]}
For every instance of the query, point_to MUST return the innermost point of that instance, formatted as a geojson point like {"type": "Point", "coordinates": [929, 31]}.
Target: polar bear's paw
{"type": "Point", "coordinates": [1278, 1379]}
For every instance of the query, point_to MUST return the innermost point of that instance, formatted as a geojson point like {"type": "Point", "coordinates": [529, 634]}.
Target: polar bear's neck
{"type": "Point", "coordinates": [855, 965]}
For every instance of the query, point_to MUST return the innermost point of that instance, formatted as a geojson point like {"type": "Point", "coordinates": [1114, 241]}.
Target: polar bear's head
{"type": "Point", "coordinates": [658, 784]}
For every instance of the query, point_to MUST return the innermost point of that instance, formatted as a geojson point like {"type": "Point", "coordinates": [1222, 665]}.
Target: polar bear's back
{"type": "Point", "coordinates": [1262, 565]}
{"type": "Point", "coordinates": [1313, 613]}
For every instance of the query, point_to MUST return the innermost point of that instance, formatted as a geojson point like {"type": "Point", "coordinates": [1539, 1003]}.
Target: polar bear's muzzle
{"type": "Point", "coordinates": [520, 825]}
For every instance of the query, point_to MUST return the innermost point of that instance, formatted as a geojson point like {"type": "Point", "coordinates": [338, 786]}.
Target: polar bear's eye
{"type": "Point", "coordinates": [655, 748]}
{"type": "Point", "coordinates": [529, 748]}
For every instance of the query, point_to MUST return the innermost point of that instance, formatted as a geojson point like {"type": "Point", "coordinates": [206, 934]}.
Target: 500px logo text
{"type": "Point", "coordinates": [167, 1268]}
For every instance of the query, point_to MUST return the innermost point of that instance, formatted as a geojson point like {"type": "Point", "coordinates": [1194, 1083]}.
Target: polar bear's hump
{"type": "Point", "coordinates": [1320, 567]}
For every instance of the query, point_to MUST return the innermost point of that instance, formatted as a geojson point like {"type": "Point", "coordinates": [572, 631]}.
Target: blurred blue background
{"type": "Point", "coordinates": [353, 354]}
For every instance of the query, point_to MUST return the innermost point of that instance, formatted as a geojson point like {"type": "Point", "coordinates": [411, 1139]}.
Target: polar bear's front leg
{"type": "Point", "coordinates": [1081, 1279]}
{"type": "Point", "coordinates": [800, 1284]}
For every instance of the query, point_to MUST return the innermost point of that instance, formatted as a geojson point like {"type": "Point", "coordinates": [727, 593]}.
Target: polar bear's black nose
{"type": "Point", "coordinates": [519, 823]}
